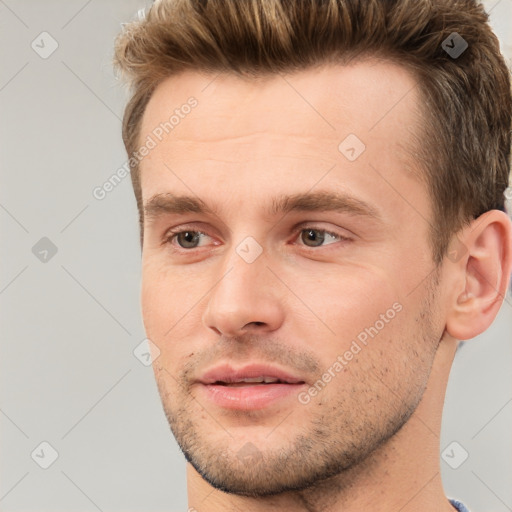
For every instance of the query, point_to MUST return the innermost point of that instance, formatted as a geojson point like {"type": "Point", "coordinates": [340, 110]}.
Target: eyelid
{"type": "Point", "coordinates": [198, 226]}
{"type": "Point", "coordinates": [343, 233]}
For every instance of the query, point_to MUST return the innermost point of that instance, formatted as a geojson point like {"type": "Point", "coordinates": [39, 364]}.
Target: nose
{"type": "Point", "coordinates": [246, 298]}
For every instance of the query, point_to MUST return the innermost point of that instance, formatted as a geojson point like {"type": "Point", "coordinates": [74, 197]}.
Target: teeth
{"type": "Point", "coordinates": [266, 380]}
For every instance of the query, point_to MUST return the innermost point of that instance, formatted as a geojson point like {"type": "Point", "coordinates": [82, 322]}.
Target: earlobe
{"type": "Point", "coordinates": [481, 275]}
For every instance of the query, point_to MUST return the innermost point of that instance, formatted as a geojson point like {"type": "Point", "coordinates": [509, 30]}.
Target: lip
{"type": "Point", "coordinates": [213, 385]}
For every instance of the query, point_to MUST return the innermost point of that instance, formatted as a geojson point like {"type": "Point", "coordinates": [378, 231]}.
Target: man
{"type": "Point", "coordinates": [321, 192]}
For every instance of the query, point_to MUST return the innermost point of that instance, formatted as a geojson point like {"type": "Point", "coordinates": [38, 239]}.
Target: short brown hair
{"type": "Point", "coordinates": [466, 101]}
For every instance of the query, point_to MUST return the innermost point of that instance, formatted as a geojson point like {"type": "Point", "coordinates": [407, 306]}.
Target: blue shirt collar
{"type": "Point", "coordinates": [460, 507]}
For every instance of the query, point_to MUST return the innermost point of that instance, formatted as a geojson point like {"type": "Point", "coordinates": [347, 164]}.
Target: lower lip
{"type": "Point", "coordinates": [250, 397]}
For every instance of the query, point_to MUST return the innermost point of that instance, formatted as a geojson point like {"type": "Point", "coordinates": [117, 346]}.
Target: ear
{"type": "Point", "coordinates": [479, 263]}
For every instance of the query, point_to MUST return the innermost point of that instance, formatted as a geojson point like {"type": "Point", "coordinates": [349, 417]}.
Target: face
{"type": "Point", "coordinates": [287, 273]}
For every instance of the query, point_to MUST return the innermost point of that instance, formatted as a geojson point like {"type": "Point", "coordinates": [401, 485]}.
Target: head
{"type": "Point", "coordinates": [319, 187]}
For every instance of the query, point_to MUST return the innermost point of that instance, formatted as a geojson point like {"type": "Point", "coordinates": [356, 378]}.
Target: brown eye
{"type": "Point", "coordinates": [316, 237]}
{"type": "Point", "coordinates": [312, 237]}
{"type": "Point", "coordinates": [188, 239]}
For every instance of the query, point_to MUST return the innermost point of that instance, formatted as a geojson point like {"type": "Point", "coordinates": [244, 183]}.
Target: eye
{"type": "Point", "coordinates": [187, 239]}
{"type": "Point", "coordinates": [312, 237]}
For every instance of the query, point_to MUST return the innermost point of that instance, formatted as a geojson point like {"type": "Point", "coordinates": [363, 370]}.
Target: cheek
{"type": "Point", "coordinates": [154, 300]}
{"type": "Point", "coordinates": [369, 324]}
{"type": "Point", "coordinates": [171, 310]}
{"type": "Point", "coordinates": [348, 300]}
{"type": "Point", "coordinates": [166, 294]}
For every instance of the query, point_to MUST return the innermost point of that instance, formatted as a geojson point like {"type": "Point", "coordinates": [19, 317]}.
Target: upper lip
{"type": "Point", "coordinates": [228, 374]}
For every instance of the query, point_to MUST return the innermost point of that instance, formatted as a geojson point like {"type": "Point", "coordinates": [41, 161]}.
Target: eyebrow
{"type": "Point", "coordinates": [323, 201]}
{"type": "Point", "coordinates": [169, 203]}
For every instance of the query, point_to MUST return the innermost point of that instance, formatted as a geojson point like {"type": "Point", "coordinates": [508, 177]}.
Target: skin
{"type": "Point", "coordinates": [370, 439]}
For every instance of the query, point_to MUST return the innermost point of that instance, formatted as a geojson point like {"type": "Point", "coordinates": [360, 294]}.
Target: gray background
{"type": "Point", "coordinates": [71, 321]}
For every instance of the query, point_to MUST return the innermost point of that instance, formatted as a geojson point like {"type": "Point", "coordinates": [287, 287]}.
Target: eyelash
{"type": "Point", "coordinates": [172, 234]}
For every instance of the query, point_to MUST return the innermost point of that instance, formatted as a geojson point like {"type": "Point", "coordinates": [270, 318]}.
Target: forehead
{"type": "Point", "coordinates": [329, 98]}
{"type": "Point", "coordinates": [282, 129]}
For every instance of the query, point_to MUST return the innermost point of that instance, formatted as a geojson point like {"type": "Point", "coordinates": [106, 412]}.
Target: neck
{"type": "Point", "coordinates": [403, 474]}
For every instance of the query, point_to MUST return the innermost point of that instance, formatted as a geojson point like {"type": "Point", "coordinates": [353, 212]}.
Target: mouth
{"type": "Point", "coordinates": [250, 382]}
{"type": "Point", "coordinates": [249, 388]}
